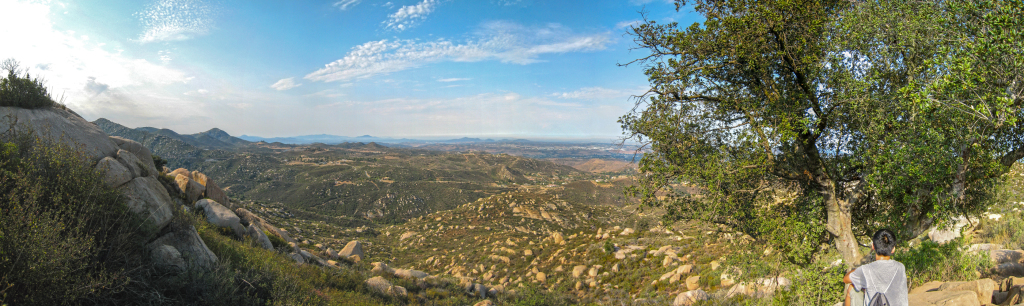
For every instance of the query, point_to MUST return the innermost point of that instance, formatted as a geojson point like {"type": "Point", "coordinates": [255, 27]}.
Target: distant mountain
{"type": "Point", "coordinates": [179, 150]}
{"type": "Point", "coordinates": [326, 139]}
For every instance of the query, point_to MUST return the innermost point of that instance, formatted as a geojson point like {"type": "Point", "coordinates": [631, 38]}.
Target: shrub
{"type": "Point", "coordinates": [21, 90]}
{"type": "Point", "coordinates": [818, 283]}
{"type": "Point", "coordinates": [931, 261]}
{"type": "Point", "coordinates": [65, 236]}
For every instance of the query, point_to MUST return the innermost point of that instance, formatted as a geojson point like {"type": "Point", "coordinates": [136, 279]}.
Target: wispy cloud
{"type": "Point", "coordinates": [503, 41]}
{"type": "Point", "coordinates": [627, 24]}
{"type": "Point", "coordinates": [593, 93]}
{"type": "Point", "coordinates": [346, 4]}
{"type": "Point", "coordinates": [285, 84]}
{"type": "Point", "coordinates": [407, 16]}
{"type": "Point", "coordinates": [172, 20]}
{"type": "Point", "coordinates": [453, 80]}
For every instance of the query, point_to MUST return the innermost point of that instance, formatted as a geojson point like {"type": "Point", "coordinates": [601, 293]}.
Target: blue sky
{"type": "Point", "coordinates": [400, 68]}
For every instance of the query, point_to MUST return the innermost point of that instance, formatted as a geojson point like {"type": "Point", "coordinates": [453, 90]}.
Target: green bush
{"type": "Point", "coordinates": [65, 236]}
{"type": "Point", "coordinates": [931, 261]}
{"type": "Point", "coordinates": [818, 283]}
{"type": "Point", "coordinates": [21, 90]}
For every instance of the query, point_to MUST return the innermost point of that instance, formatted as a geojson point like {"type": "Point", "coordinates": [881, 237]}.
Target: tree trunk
{"type": "Point", "coordinates": [840, 225]}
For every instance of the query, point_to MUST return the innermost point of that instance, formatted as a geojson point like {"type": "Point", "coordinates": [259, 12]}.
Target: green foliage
{"type": "Point", "coordinates": [65, 237]}
{"type": "Point", "coordinates": [931, 261]}
{"type": "Point", "coordinates": [818, 283]}
{"type": "Point", "coordinates": [531, 295]}
{"type": "Point", "coordinates": [833, 118]}
{"type": "Point", "coordinates": [264, 276]}
{"type": "Point", "coordinates": [159, 162]}
{"type": "Point", "coordinates": [21, 90]}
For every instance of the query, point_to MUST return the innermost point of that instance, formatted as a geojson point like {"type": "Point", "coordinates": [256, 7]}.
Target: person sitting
{"type": "Point", "coordinates": [883, 276]}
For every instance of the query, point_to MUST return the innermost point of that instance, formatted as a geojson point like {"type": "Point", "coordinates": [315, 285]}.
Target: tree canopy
{"type": "Point", "coordinates": [810, 122]}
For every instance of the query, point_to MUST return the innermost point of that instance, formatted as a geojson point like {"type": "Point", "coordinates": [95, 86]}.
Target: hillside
{"type": "Point", "coordinates": [181, 151]}
{"type": "Point", "coordinates": [373, 182]}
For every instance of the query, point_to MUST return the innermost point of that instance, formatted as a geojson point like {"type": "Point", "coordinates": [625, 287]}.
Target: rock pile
{"type": "Point", "coordinates": [128, 166]}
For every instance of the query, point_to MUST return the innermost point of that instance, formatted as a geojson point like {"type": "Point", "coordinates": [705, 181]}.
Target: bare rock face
{"type": "Point", "coordinates": [215, 193]}
{"type": "Point", "coordinates": [64, 126]}
{"type": "Point", "coordinates": [221, 216]}
{"type": "Point", "coordinates": [114, 174]}
{"type": "Point", "coordinates": [944, 298]}
{"type": "Point", "coordinates": [192, 189]}
{"type": "Point", "coordinates": [133, 163]}
{"type": "Point", "coordinates": [146, 197]}
{"type": "Point", "coordinates": [380, 267]}
{"type": "Point", "coordinates": [410, 274]}
{"type": "Point", "coordinates": [192, 252]}
{"type": "Point", "coordinates": [352, 248]}
{"type": "Point", "coordinates": [140, 151]}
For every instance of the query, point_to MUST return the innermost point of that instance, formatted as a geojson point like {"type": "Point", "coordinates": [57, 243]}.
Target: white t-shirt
{"type": "Point", "coordinates": [878, 275]}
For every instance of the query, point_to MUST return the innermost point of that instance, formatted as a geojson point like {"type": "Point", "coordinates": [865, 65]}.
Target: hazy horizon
{"type": "Point", "coordinates": [412, 69]}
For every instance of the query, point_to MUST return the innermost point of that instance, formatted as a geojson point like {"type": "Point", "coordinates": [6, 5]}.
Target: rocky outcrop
{"type": "Point", "coordinates": [221, 216]}
{"type": "Point", "coordinates": [192, 189]}
{"type": "Point", "coordinates": [145, 196]}
{"type": "Point", "coordinates": [181, 250]}
{"type": "Point", "coordinates": [64, 126]}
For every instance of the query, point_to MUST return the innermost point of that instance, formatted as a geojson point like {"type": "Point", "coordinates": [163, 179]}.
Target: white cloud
{"type": "Point", "coordinates": [453, 79]}
{"type": "Point", "coordinates": [172, 20]}
{"type": "Point", "coordinates": [88, 76]}
{"type": "Point", "coordinates": [627, 24]}
{"type": "Point", "coordinates": [285, 84]}
{"type": "Point", "coordinates": [407, 16]}
{"type": "Point", "coordinates": [590, 93]}
{"type": "Point", "coordinates": [345, 4]}
{"type": "Point", "coordinates": [503, 41]}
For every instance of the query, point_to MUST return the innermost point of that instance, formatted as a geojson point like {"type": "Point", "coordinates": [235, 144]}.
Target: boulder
{"type": "Point", "coordinates": [480, 290]}
{"type": "Point", "coordinates": [62, 126]}
{"type": "Point", "coordinates": [215, 193]}
{"type": "Point", "coordinates": [380, 285]}
{"type": "Point", "coordinates": [944, 298]}
{"type": "Point", "coordinates": [690, 297]}
{"type": "Point", "coordinates": [199, 177]}
{"type": "Point", "coordinates": [133, 163]}
{"type": "Point", "coordinates": [256, 233]}
{"type": "Point", "coordinates": [146, 197]}
{"type": "Point", "coordinates": [929, 286]}
{"type": "Point", "coordinates": [246, 217]}
{"type": "Point", "coordinates": [406, 235]}
{"type": "Point", "coordinates": [945, 234]}
{"type": "Point", "coordinates": [380, 267]}
{"type": "Point", "coordinates": [1006, 256]}
{"type": "Point", "coordinates": [178, 171]}
{"type": "Point", "coordinates": [220, 216]}
{"type": "Point", "coordinates": [167, 259]}
{"type": "Point", "coordinates": [484, 303]}
{"type": "Point", "coordinates": [189, 246]}
{"type": "Point", "coordinates": [768, 286]}
{"type": "Point", "coordinates": [541, 277]}
{"type": "Point", "coordinates": [557, 238]}
{"type": "Point", "coordinates": [114, 174]}
{"type": "Point", "coordinates": [1008, 269]}
{"type": "Point", "coordinates": [983, 288]}
{"type": "Point", "coordinates": [352, 248]}
{"type": "Point", "coordinates": [137, 149]}
{"type": "Point", "coordinates": [978, 247]}
{"type": "Point", "coordinates": [410, 274]}
{"type": "Point", "coordinates": [193, 190]}
{"type": "Point", "coordinates": [577, 271]}
{"type": "Point", "coordinates": [693, 282]}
